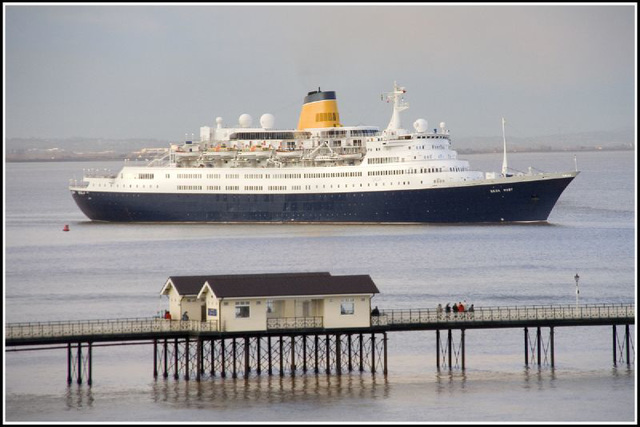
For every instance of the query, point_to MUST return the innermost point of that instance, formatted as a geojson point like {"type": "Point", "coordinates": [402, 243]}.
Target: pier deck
{"type": "Point", "coordinates": [193, 348]}
{"type": "Point", "coordinates": [62, 332]}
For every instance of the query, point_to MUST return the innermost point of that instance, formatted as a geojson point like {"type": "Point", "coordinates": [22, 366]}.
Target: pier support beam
{"type": "Point", "coordinates": [539, 346]}
{"type": "Point", "coordinates": [155, 358]}
{"type": "Point", "coordinates": [199, 357]}
{"type": "Point", "coordinates": [78, 363]}
{"type": "Point", "coordinates": [445, 353]}
{"type": "Point", "coordinates": [449, 346]}
{"type": "Point", "coordinates": [526, 346]}
{"type": "Point", "coordinates": [385, 353]}
{"type": "Point", "coordinates": [165, 347]}
{"type": "Point", "coordinates": [626, 341]}
{"type": "Point", "coordinates": [186, 359]}
{"type": "Point", "coordinates": [624, 346]}
{"type": "Point", "coordinates": [247, 361]}
{"type": "Point", "coordinates": [462, 347]}
{"type": "Point", "coordinates": [552, 345]}
{"type": "Point", "coordinates": [534, 349]}
{"type": "Point", "coordinates": [89, 364]}
{"type": "Point", "coordinates": [176, 366]}
{"type": "Point", "coordinates": [438, 349]}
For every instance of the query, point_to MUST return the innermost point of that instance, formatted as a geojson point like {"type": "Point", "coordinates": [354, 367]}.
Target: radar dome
{"type": "Point", "coordinates": [245, 120]}
{"type": "Point", "coordinates": [442, 125]}
{"type": "Point", "coordinates": [420, 125]}
{"type": "Point", "coordinates": [267, 120]}
{"type": "Point", "coordinates": [219, 122]}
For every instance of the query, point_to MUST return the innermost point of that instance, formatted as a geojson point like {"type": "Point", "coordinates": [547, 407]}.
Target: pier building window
{"type": "Point", "coordinates": [243, 310]}
{"type": "Point", "coordinates": [347, 306]}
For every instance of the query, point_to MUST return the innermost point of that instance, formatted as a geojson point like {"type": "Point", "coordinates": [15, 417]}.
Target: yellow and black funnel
{"type": "Point", "coordinates": [320, 110]}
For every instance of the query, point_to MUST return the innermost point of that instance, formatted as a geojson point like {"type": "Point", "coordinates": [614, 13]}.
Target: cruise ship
{"type": "Point", "coordinates": [320, 172]}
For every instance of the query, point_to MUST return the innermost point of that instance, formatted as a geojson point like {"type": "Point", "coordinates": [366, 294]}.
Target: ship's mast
{"type": "Point", "coordinates": [399, 105]}
{"type": "Point", "coordinates": [505, 168]}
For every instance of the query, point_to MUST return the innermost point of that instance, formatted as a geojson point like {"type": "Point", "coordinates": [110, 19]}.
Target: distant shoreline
{"type": "Point", "coordinates": [15, 158]}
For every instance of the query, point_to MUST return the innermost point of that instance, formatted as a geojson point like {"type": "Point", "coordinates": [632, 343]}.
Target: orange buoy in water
{"type": "Point", "coordinates": [66, 227]}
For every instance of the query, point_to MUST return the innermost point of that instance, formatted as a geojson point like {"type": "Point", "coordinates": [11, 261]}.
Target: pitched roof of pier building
{"type": "Point", "coordinates": [272, 284]}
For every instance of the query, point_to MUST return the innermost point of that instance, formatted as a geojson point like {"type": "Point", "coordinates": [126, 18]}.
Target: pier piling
{"type": "Point", "coordinates": [334, 354]}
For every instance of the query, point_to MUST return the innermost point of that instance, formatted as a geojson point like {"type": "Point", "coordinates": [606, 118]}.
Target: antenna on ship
{"type": "Point", "coordinates": [399, 105]}
{"type": "Point", "coordinates": [505, 168]}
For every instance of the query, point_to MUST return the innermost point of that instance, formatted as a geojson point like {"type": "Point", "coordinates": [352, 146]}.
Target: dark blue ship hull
{"type": "Point", "coordinates": [518, 200]}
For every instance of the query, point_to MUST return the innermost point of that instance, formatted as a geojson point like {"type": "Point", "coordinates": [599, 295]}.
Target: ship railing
{"type": "Point", "coordinates": [515, 313]}
{"type": "Point", "coordinates": [294, 322]}
{"type": "Point", "coordinates": [160, 161]}
{"type": "Point", "coordinates": [99, 173]}
{"type": "Point", "coordinates": [78, 183]}
{"type": "Point", "coordinates": [348, 149]}
{"type": "Point", "coordinates": [104, 327]}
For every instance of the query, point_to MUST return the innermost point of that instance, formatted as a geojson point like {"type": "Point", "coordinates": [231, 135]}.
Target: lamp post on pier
{"type": "Point", "coordinates": [576, 277]}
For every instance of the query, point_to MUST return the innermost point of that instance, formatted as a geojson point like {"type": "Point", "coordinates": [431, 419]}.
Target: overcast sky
{"type": "Point", "coordinates": [163, 71]}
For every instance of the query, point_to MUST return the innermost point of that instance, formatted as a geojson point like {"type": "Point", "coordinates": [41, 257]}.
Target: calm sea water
{"type": "Point", "coordinates": [101, 271]}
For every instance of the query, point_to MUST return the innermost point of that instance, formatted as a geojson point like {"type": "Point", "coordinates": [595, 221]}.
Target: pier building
{"type": "Point", "coordinates": [257, 302]}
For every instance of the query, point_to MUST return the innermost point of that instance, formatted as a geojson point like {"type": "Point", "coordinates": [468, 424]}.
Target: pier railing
{"type": "Point", "coordinates": [507, 313]}
{"type": "Point", "coordinates": [104, 327]}
{"type": "Point", "coordinates": [429, 317]}
{"type": "Point", "coordinates": [61, 329]}
{"type": "Point", "coordinates": [294, 322]}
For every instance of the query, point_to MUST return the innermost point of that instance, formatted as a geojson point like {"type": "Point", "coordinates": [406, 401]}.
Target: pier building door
{"type": "Point", "coordinates": [305, 309]}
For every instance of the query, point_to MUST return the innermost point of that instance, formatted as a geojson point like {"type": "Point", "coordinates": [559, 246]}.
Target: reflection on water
{"type": "Point", "coordinates": [227, 393]}
{"type": "Point", "coordinates": [79, 397]}
{"type": "Point", "coordinates": [269, 398]}
{"type": "Point", "coordinates": [421, 394]}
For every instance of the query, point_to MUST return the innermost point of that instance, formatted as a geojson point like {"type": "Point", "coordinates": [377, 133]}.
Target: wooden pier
{"type": "Point", "coordinates": [194, 349]}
